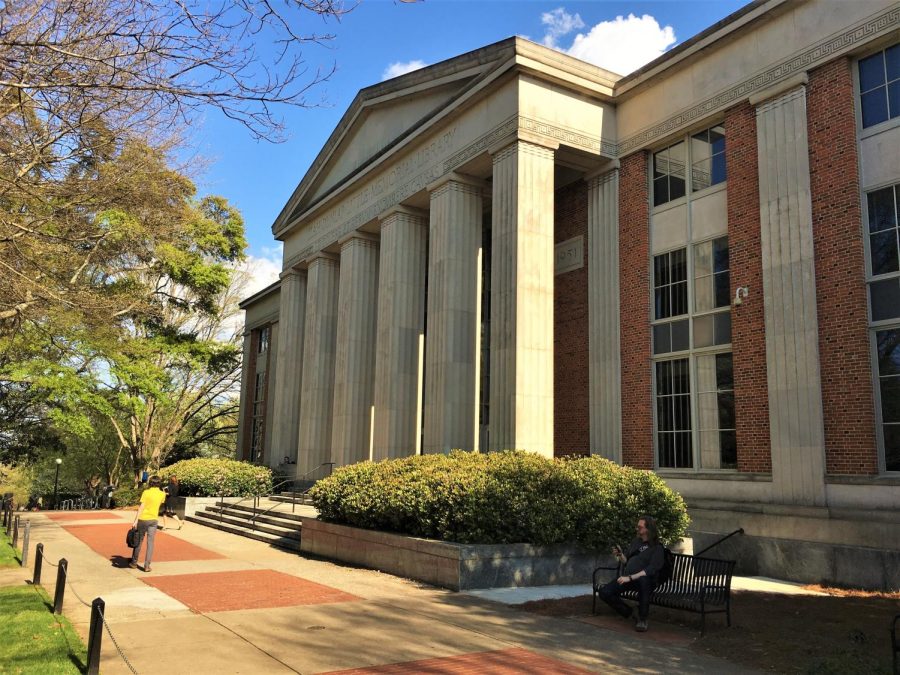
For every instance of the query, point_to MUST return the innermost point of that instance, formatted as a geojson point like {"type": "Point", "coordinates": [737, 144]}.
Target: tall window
{"type": "Point", "coordinates": [704, 152]}
{"type": "Point", "coordinates": [257, 426]}
{"type": "Point", "coordinates": [264, 339]}
{"type": "Point", "coordinates": [879, 86]}
{"type": "Point", "coordinates": [883, 216]}
{"type": "Point", "coordinates": [695, 389]}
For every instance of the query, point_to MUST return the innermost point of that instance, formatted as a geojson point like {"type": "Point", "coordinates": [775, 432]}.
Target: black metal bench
{"type": "Point", "coordinates": [699, 585]}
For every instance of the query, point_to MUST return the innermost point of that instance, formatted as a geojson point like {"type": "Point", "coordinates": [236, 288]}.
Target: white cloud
{"type": "Point", "coordinates": [401, 68]}
{"type": "Point", "coordinates": [621, 45]}
{"type": "Point", "coordinates": [261, 271]}
{"type": "Point", "coordinates": [559, 22]}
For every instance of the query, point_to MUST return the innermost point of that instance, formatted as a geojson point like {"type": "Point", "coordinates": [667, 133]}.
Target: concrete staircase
{"type": "Point", "coordinates": [289, 497]}
{"type": "Point", "coordinates": [273, 526]}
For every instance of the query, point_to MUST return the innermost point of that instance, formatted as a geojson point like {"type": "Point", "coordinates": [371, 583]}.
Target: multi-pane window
{"type": "Point", "coordinates": [707, 158]}
{"type": "Point", "coordinates": [264, 338]}
{"type": "Point", "coordinates": [705, 154]}
{"type": "Point", "coordinates": [695, 392]}
{"type": "Point", "coordinates": [879, 86]}
{"type": "Point", "coordinates": [883, 217]}
{"type": "Point", "coordinates": [258, 421]}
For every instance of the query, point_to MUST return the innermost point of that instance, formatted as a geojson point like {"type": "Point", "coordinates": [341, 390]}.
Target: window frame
{"type": "Point", "coordinates": [691, 353]}
{"type": "Point", "coordinates": [689, 192]}
{"type": "Point", "coordinates": [875, 129]}
{"type": "Point", "coordinates": [873, 326]}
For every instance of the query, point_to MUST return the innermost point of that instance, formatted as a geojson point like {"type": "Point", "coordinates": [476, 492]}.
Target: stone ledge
{"type": "Point", "coordinates": [451, 565]}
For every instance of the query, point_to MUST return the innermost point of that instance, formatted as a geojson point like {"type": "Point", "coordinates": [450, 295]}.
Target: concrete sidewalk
{"type": "Point", "coordinates": [250, 608]}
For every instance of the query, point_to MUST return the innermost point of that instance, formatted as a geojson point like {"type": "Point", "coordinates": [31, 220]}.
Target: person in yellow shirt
{"type": "Point", "coordinates": [146, 520]}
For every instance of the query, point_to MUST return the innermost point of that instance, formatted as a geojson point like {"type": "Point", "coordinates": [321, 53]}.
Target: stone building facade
{"type": "Point", "coordinates": [693, 269]}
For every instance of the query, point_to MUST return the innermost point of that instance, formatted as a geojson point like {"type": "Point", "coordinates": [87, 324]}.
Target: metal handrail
{"type": "Point", "coordinates": [740, 530]}
{"type": "Point", "coordinates": [256, 497]}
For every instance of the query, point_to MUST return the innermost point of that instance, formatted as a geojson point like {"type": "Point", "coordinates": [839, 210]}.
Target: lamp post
{"type": "Point", "coordinates": [56, 486]}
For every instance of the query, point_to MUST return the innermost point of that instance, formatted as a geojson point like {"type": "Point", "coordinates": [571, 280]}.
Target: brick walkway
{"type": "Point", "coordinates": [217, 603]}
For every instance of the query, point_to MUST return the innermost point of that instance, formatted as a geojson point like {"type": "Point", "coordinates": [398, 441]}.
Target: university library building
{"type": "Point", "coordinates": [693, 269]}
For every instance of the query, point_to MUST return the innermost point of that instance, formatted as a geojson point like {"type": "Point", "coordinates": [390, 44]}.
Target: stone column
{"type": "Point", "coordinates": [288, 366]}
{"type": "Point", "coordinates": [354, 366]}
{"type": "Point", "coordinates": [317, 393]}
{"type": "Point", "coordinates": [789, 296]}
{"type": "Point", "coordinates": [521, 389]}
{"type": "Point", "coordinates": [605, 366]}
{"type": "Point", "coordinates": [451, 344]}
{"type": "Point", "coordinates": [401, 326]}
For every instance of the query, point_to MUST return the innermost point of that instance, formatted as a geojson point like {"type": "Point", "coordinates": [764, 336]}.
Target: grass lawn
{"type": "Point", "coordinates": [33, 639]}
{"type": "Point", "coordinates": [9, 557]}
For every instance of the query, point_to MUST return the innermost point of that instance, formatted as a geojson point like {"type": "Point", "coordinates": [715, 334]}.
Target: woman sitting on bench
{"type": "Point", "coordinates": [643, 560]}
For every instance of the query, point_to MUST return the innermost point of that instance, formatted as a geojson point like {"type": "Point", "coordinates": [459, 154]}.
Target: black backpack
{"type": "Point", "coordinates": [665, 573]}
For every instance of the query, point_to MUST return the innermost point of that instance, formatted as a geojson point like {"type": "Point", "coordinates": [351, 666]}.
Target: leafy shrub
{"type": "Point", "coordinates": [127, 495]}
{"type": "Point", "coordinates": [208, 477]}
{"type": "Point", "coordinates": [503, 497]}
{"type": "Point", "coordinates": [18, 481]}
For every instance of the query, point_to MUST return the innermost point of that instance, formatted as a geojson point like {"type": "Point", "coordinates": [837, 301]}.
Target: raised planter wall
{"type": "Point", "coordinates": [188, 506]}
{"type": "Point", "coordinates": [454, 566]}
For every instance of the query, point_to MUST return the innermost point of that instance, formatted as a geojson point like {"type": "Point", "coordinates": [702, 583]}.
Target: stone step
{"type": "Point", "coordinates": [288, 497]}
{"type": "Point", "coordinates": [274, 540]}
{"type": "Point", "coordinates": [290, 530]}
{"type": "Point", "coordinates": [246, 511]}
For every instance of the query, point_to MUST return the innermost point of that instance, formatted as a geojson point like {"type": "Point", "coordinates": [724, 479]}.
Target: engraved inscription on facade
{"type": "Point", "coordinates": [569, 255]}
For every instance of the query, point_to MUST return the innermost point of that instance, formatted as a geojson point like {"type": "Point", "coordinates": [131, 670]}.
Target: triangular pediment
{"type": "Point", "coordinates": [383, 115]}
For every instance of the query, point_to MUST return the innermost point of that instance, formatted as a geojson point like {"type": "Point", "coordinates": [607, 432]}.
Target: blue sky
{"type": "Point", "coordinates": [380, 37]}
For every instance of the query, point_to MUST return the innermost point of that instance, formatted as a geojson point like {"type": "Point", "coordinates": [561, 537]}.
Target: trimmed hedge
{"type": "Point", "coordinates": [206, 477]}
{"type": "Point", "coordinates": [501, 498]}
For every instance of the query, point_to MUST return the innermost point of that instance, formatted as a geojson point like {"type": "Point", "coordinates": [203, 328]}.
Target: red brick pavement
{"type": "Point", "coordinates": [504, 661]}
{"type": "Point", "coordinates": [247, 589]}
{"type": "Point", "coordinates": [109, 541]}
{"type": "Point", "coordinates": [81, 515]}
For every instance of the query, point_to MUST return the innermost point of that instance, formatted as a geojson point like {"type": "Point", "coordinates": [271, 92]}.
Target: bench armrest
{"type": "Point", "coordinates": [605, 568]}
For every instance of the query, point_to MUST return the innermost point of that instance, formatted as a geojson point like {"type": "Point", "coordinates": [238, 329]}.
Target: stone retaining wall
{"type": "Point", "coordinates": [450, 565]}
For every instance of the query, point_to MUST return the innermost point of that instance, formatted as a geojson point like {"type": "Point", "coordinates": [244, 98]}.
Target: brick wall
{"type": "Point", "coordinates": [748, 328]}
{"type": "Point", "coordinates": [634, 293]}
{"type": "Point", "coordinates": [847, 396]}
{"type": "Point", "coordinates": [571, 419]}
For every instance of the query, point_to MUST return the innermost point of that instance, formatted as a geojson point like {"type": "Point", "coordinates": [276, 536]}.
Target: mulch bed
{"type": "Point", "coordinates": [846, 633]}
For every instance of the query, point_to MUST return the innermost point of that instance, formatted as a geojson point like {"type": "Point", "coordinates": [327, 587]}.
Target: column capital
{"type": "Point", "coordinates": [526, 139]}
{"type": "Point", "coordinates": [361, 236]}
{"type": "Point", "coordinates": [775, 91]}
{"type": "Point", "coordinates": [404, 210]}
{"type": "Point", "coordinates": [602, 173]}
{"type": "Point", "coordinates": [459, 178]}
{"type": "Point", "coordinates": [291, 272]}
{"type": "Point", "coordinates": [321, 256]}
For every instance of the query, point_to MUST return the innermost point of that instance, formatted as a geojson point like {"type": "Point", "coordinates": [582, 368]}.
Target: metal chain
{"type": "Point", "coordinates": [50, 563]}
{"type": "Point", "coordinates": [116, 644]}
{"type": "Point", "coordinates": [75, 593]}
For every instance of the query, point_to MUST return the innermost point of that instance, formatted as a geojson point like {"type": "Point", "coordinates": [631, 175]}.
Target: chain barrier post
{"type": "Point", "coordinates": [60, 586]}
{"type": "Point", "coordinates": [95, 634]}
{"type": "Point", "coordinates": [25, 537]}
{"type": "Point", "coordinates": [6, 513]}
{"type": "Point", "coordinates": [38, 563]}
{"type": "Point", "coordinates": [15, 538]}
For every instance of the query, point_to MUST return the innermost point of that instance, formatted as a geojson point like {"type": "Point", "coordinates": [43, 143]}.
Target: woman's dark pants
{"type": "Point", "coordinates": [611, 592]}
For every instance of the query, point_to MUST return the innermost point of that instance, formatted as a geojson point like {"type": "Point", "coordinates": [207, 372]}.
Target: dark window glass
{"type": "Point", "coordinates": [726, 410]}
{"type": "Point", "coordinates": [718, 169]}
{"type": "Point", "coordinates": [720, 255]}
{"type": "Point", "coordinates": [882, 210]}
{"type": "Point", "coordinates": [722, 289]}
{"type": "Point", "coordinates": [871, 72]}
{"type": "Point", "coordinates": [676, 187]}
{"type": "Point", "coordinates": [874, 107]}
{"type": "Point", "coordinates": [892, 59]}
{"type": "Point", "coordinates": [679, 264]}
{"type": "Point", "coordinates": [680, 335]}
{"type": "Point", "coordinates": [883, 247]}
{"type": "Point", "coordinates": [885, 297]}
{"type": "Point", "coordinates": [724, 374]}
{"type": "Point", "coordinates": [662, 339]}
{"type": "Point", "coordinates": [890, 399]}
{"type": "Point", "coordinates": [717, 140]}
{"type": "Point", "coordinates": [660, 191]}
{"type": "Point", "coordinates": [888, 344]}
{"type": "Point", "coordinates": [728, 449]}
{"type": "Point", "coordinates": [892, 447]}
{"type": "Point", "coordinates": [681, 379]}
{"type": "Point", "coordinates": [723, 328]}
{"type": "Point", "coordinates": [664, 377]}
{"type": "Point", "coordinates": [894, 99]}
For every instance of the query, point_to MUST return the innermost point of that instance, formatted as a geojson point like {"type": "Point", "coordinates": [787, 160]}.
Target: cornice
{"type": "Point", "coordinates": [825, 50]}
